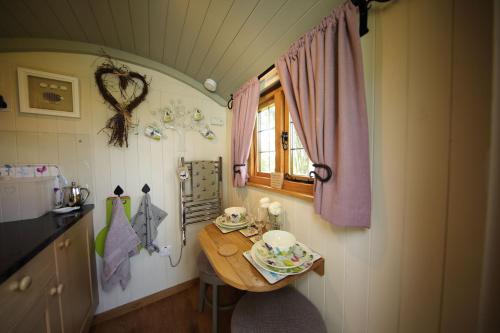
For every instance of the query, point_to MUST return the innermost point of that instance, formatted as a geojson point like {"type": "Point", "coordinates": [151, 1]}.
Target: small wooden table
{"type": "Point", "coordinates": [235, 270]}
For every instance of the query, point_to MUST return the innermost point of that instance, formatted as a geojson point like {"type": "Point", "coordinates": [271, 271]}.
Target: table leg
{"type": "Point", "coordinates": [215, 308]}
{"type": "Point", "coordinates": [201, 300]}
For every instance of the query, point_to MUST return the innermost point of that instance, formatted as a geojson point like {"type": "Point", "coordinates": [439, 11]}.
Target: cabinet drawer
{"type": "Point", "coordinates": [23, 289]}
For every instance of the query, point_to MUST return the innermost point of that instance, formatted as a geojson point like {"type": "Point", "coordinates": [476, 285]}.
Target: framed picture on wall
{"type": "Point", "coordinates": [48, 93]}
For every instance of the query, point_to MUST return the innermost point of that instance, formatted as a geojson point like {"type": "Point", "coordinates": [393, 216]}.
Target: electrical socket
{"type": "Point", "coordinates": [165, 250]}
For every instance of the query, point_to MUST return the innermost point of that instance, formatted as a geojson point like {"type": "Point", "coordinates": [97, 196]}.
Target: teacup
{"type": "Point", "coordinates": [197, 115]}
{"type": "Point", "coordinates": [235, 214]}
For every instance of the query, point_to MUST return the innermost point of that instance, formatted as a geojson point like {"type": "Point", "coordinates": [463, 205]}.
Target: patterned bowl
{"type": "Point", "coordinates": [280, 240]}
{"type": "Point", "coordinates": [235, 214]}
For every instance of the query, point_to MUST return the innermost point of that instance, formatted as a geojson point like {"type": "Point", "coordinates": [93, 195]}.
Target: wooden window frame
{"type": "Point", "coordinates": [282, 123]}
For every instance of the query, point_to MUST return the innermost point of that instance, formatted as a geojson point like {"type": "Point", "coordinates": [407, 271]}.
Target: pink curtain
{"type": "Point", "coordinates": [245, 104]}
{"type": "Point", "coordinates": [322, 78]}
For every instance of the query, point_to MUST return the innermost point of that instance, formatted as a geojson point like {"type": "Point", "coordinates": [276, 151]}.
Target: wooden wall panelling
{"type": "Point", "coordinates": [23, 16]}
{"type": "Point", "coordinates": [27, 147]}
{"type": "Point", "coordinates": [83, 125]}
{"type": "Point", "coordinates": [103, 16]}
{"type": "Point", "coordinates": [48, 148]}
{"type": "Point", "coordinates": [470, 142]}
{"type": "Point", "coordinates": [358, 242]}
{"type": "Point", "coordinates": [102, 181]}
{"type": "Point", "coordinates": [86, 19]}
{"type": "Point", "coordinates": [241, 12]}
{"type": "Point", "coordinates": [303, 212]}
{"type": "Point", "coordinates": [195, 17]}
{"type": "Point", "coordinates": [264, 14]}
{"type": "Point", "coordinates": [68, 156]}
{"type": "Point", "coordinates": [139, 14]}
{"type": "Point", "coordinates": [177, 12]}
{"type": "Point", "coordinates": [276, 36]}
{"type": "Point", "coordinates": [48, 21]}
{"type": "Point", "coordinates": [10, 27]}
{"type": "Point", "coordinates": [8, 118]}
{"type": "Point", "coordinates": [429, 91]}
{"type": "Point", "coordinates": [8, 148]}
{"type": "Point", "coordinates": [85, 164]}
{"type": "Point", "coordinates": [122, 18]}
{"type": "Point", "coordinates": [216, 14]}
{"type": "Point", "coordinates": [68, 18]}
{"type": "Point", "coordinates": [158, 12]}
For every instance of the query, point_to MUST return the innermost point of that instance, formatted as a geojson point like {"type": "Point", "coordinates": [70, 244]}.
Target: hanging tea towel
{"type": "Point", "coordinates": [121, 243]}
{"type": "Point", "coordinates": [146, 222]}
{"type": "Point", "coordinates": [205, 180]}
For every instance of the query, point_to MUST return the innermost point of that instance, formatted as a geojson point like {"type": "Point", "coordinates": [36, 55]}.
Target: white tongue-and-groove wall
{"type": "Point", "coordinates": [428, 88]}
{"type": "Point", "coordinates": [418, 268]}
{"type": "Point", "coordinates": [84, 156]}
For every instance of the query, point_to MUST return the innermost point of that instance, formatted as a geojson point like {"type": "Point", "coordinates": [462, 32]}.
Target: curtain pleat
{"type": "Point", "coordinates": [245, 104]}
{"type": "Point", "coordinates": [322, 79]}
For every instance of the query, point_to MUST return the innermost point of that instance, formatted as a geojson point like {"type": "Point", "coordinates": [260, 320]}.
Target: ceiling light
{"type": "Point", "coordinates": [210, 84]}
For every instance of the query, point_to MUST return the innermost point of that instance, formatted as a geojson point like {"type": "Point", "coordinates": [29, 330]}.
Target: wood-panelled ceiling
{"type": "Point", "coordinates": [227, 40]}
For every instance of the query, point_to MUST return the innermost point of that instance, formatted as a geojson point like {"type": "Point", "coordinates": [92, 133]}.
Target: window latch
{"type": "Point", "coordinates": [284, 140]}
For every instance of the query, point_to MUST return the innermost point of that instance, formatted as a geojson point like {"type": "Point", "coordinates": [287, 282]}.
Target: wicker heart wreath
{"type": "Point", "coordinates": [121, 122]}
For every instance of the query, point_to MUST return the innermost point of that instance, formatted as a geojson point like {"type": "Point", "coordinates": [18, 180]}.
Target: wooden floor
{"type": "Point", "coordinates": [177, 313]}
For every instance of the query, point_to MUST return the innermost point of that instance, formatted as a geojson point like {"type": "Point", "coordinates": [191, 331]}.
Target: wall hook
{"type": "Point", "coordinates": [329, 172]}
{"type": "Point", "coordinates": [118, 191]}
{"type": "Point", "coordinates": [145, 189]}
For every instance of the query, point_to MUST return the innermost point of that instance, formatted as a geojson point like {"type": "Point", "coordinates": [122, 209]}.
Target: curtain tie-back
{"type": "Point", "coordinates": [246, 102]}
{"type": "Point", "coordinates": [322, 79]}
{"type": "Point", "coordinates": [328, 170]}
{"type": "Point", "coordinates": [237, 166]}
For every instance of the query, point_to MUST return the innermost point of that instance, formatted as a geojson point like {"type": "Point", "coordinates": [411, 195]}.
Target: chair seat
{"type": "Point", "coordinates": [204, 265]}
{"type": "Point", "coordinates": [283, 310]}
{"type": "Point", "coordinates": [207, 272]}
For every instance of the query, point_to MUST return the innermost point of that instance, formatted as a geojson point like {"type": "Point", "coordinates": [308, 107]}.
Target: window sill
{"type": "Point", "coordinates": [298, 195]}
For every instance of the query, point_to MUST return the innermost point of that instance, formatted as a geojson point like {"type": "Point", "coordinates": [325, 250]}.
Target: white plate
{"type": "Point", "coordinates": [282, 271]}
{"type": "Point", "coordinates": [221, 220]}
{"type": "Point", "coordinates": [65, 210]}
{"type": "Point", "coordinates": [231, 227]}
{"type": "Point", "coordinates": [270, 258]}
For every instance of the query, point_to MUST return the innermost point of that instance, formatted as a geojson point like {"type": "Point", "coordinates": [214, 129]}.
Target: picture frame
{"type": "Point", "coordinates": [48, 93]}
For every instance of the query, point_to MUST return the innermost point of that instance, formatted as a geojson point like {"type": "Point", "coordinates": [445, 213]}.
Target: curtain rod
{"type": "Point", "coordinates": [363, 5]}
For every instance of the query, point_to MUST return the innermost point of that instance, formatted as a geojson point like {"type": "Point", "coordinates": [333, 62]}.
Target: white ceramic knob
{"type": "Point", "coordinates": [60, 245]}
{"type": "Point", "coordinates": [67, 242]}
{"type": "Point", "coordinates": [25, 283]}
{"type": "Point", "coordinates": [60, 288]}
{"type": "Point", "coordinates": [52, 291]}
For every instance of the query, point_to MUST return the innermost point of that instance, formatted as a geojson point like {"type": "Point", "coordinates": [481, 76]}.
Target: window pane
{"type": "Point", "coordinates": [271, 146]}
{"type": "Point", "coordinates": [265, 139]}
{"type": "Point", "coordinates": [271, 116]}
{"type": "Point", "coordinates": [272, 162]}
{"type": "Point", "coordinates": [264, 162]}
{"type": "Point", "coordinates": [294, 138]}
{"type": "Point", "coordinates": [300, 164]}
{"type": "Point", "coordinates": [263, 120]}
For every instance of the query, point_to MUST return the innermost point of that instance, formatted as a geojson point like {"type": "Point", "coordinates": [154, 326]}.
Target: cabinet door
{"type": "Point", "coordinates": [35, 319]}
{"type": "Point", "coordinates": [53, 310]}
{"type": "Point", "coordinates": [92, 262]}
{"type": "Point", "coordinates": [73, 270]}
{"type": "Point", "coordinates": [44, 315]}
{"type": "Point", "coordinates": [24, 288]}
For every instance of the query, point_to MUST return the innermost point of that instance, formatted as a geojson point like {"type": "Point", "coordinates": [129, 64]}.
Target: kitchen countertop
{"type": "Point", "coordinates": [21, 241]}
